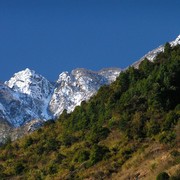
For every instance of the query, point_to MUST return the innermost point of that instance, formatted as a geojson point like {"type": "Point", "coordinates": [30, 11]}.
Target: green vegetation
{"type": "Point", "coordinates": [121, 121]}
{"type": "Point", "coordinates": [162, 176]}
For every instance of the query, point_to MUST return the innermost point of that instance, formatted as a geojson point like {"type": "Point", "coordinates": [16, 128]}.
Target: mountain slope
{"type": "Point", "coordinates": [128, 130]}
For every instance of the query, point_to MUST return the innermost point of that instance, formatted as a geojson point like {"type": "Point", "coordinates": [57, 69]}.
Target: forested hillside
{"type": "Point", "coordinates": [130, 129]}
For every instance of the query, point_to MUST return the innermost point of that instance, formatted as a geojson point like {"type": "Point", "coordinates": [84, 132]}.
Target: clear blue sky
{"type": "Point", "coordinates": [51, 36]}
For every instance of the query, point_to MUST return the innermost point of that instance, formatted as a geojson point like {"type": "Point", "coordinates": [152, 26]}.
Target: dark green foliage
{"type": "Point", "coordinates": [146, 67]}
{"type": "Point", "coordinates": [97, 154]}
{"type": "Point", "coordinates": [51, 145]}
{"type": "Point", "coordinates": [40, 150]}
{"type": "Point", "coordinates": [1, 171]}
{"type": "Point", "coordinates": [175, 153]}
{"type": "Point", "coordinates": [167, 49]}
{"type": "Point", "coordinates": [167, 137]}
{"type": "Point", "coordinates": [170, 120]}
{"type": "Point", "coordinates": [19, 168]}
{"type": "Point", "coordinates": [162, 176]}
{"type": "Point", "coordinates": [153, 127]}
{"type": "Point", "coordinates": [81, 156]}
{"type": "Point", "coordinates": [59, 158]}
{"type": "Point", "coordinates": [49, 122]}
{"type": "Point", "coordinates": [52, 169]}
{"type": "Point", "coordinates": [67, 139]}
{"type": "Point", "coordinates": [97, 133]}
{"type": "Point", "coordinates": [124, 122]}
{"type": "Point", "coordinates": [176, 176]}
{"type": "Point", "coordinates": [28, 142]}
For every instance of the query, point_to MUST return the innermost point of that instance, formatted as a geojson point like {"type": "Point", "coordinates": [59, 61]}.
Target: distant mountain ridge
{"type": "Point", "coordinates": [27, 95]}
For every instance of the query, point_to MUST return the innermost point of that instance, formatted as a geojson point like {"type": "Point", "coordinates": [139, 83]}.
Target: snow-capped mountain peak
{"type": "Point", "coordinates": [37, 98]}
{"type": "Point", "coordinates": [30, 83]}
{"type": "Point", "coordinates": [77, 86]}
{"type": "Point", "coordinates": [31, 93]}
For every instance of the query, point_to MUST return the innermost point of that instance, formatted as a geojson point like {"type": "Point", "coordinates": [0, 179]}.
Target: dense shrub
{"type": "Point", "coordinates": [19, 168]}
{"type": "Point", "coordinates": [81, 156]}
{"type": "Point", "coordinates": [162, 176]}
{"type": "Point", "coordinates": [97, 154]}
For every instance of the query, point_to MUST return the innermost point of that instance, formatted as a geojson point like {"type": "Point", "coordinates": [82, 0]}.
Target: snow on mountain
{"type": "Point", "coordinates": [176, 41]}
{"type": "Point", "coordinates": [18, 108]}
{"type": "Point", "coordinates": [110, 74]}
{"type": "Point", "coordinates": [152, 54]}
{"type": "Point", "coordinates": [30, 83]}
{"type": "Point", "coordinates": [77, 86]}
{"type": "Point", "coordinates": [29, 97]}
{"type": "Point", "coordinates": [31, 94]}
